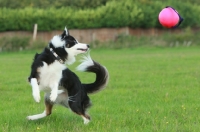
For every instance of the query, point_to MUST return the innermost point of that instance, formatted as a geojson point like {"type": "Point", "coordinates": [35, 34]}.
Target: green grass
{"type": "Point", "coordinates": [150, 90]}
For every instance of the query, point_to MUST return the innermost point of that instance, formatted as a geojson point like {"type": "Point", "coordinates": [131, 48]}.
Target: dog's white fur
{"type": "Point", "coordinates": [50, 75]}
{"type": "Point", "coordinates": [46, 74]}
{"type": "Point", "coordinates": [56, 40]}
{"type": "Point", "coordinates": [86, 61]}
{"type": "Point", "coordinates": [62, 96]}
{"type": "Point", "coordinates": [35, 90]}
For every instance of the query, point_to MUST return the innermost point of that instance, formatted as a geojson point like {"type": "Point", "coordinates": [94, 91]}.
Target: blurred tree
{"type": "Point", "coordinates": [194, 1]}
{"type": "Point", "coordinates": [85, 14]}
{"type": "Point", "coordinates": [51, 3]}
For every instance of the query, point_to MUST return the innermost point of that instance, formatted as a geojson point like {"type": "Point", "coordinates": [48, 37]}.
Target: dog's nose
{"type": "Point", "coordinates": [88, 46]}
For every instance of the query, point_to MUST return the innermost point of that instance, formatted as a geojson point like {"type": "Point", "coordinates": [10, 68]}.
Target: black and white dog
{"type": "Point", "coordinates": [50, 74]}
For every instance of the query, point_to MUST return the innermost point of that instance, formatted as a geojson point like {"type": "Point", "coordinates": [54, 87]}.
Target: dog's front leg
{"type": "Point", "coordinates": [54, 92]}
{"type": "Point", "coordinates": [35, 90]}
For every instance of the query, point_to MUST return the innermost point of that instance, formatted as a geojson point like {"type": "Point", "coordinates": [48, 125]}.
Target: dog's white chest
{"type": "Point", "coordinates": [50, 75]}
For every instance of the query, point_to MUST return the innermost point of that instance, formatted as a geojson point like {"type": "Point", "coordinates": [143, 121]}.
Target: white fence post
{"type": "Point", "coordinates": [35, 32]}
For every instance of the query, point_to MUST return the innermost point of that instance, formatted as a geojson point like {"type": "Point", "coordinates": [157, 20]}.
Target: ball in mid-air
{"type": "Point", "coordinates": [169, 17]}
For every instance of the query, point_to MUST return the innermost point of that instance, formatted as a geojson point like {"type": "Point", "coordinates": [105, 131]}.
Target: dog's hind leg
{"type": "Point", "coordinates": [47, 111]}
{"type": "Point", "coordinates": [80, 109]}
{"type": "Point", "coordinates": [86, 118]}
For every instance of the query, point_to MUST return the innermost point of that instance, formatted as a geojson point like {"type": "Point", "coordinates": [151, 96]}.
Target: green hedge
{"type": "Point", "coordinates": [131, 13]}
{"type": "Point", "coordinates": [82, 4]}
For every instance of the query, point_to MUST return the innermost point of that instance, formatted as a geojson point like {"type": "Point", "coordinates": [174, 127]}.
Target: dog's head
{"type": "Point", "coordinates": [67, 47]}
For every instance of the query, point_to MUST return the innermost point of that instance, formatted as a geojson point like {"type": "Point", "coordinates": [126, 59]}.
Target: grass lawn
{"type": "Point", "coordinates": [150, 90]}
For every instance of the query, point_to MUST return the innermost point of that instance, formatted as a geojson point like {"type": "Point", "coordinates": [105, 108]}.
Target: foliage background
{"type": "Point", "coordinates": [22, 15]}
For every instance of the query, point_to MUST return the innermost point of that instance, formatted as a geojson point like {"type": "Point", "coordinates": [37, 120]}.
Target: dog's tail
{"type": "Point", "coordinates": [102, 76]}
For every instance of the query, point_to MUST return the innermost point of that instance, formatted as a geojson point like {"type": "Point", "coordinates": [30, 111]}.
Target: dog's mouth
{"type": "Point", "coordinates": [84, 50]}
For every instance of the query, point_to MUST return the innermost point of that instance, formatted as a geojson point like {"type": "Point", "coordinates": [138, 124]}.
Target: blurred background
{"type": "Point", "coordinates": [30, 24]}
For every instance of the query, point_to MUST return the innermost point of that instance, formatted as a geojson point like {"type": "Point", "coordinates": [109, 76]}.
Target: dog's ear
{"type": "Point", "coordinates": [65, 33]}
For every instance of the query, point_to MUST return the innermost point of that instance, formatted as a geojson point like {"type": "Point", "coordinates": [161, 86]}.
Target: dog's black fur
{"type": "Point", "coordinates": [47, 56]}
{"type": "Point", "coordinates": [74, 93]}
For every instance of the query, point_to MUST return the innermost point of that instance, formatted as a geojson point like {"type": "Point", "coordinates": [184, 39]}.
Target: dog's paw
{"type": "Point", "coordinates": [86, 121]}
{"type": "Point", "coordinates": [30, 118]}
{"type": "Point", "coordinates": [53, 96]}
{"type": "Point", "coordinates": [36, 97]}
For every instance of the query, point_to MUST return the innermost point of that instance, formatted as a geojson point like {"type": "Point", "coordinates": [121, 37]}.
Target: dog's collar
{"type": "Point", "coordinates": [57, 57]}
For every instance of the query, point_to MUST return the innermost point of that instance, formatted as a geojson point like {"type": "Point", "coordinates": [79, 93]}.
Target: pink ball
{"type": "Point", "coordinates": [168, 17]}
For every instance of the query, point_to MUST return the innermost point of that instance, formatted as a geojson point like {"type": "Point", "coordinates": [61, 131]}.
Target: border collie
{"type": "Point", "coordinates": [50, 74]}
